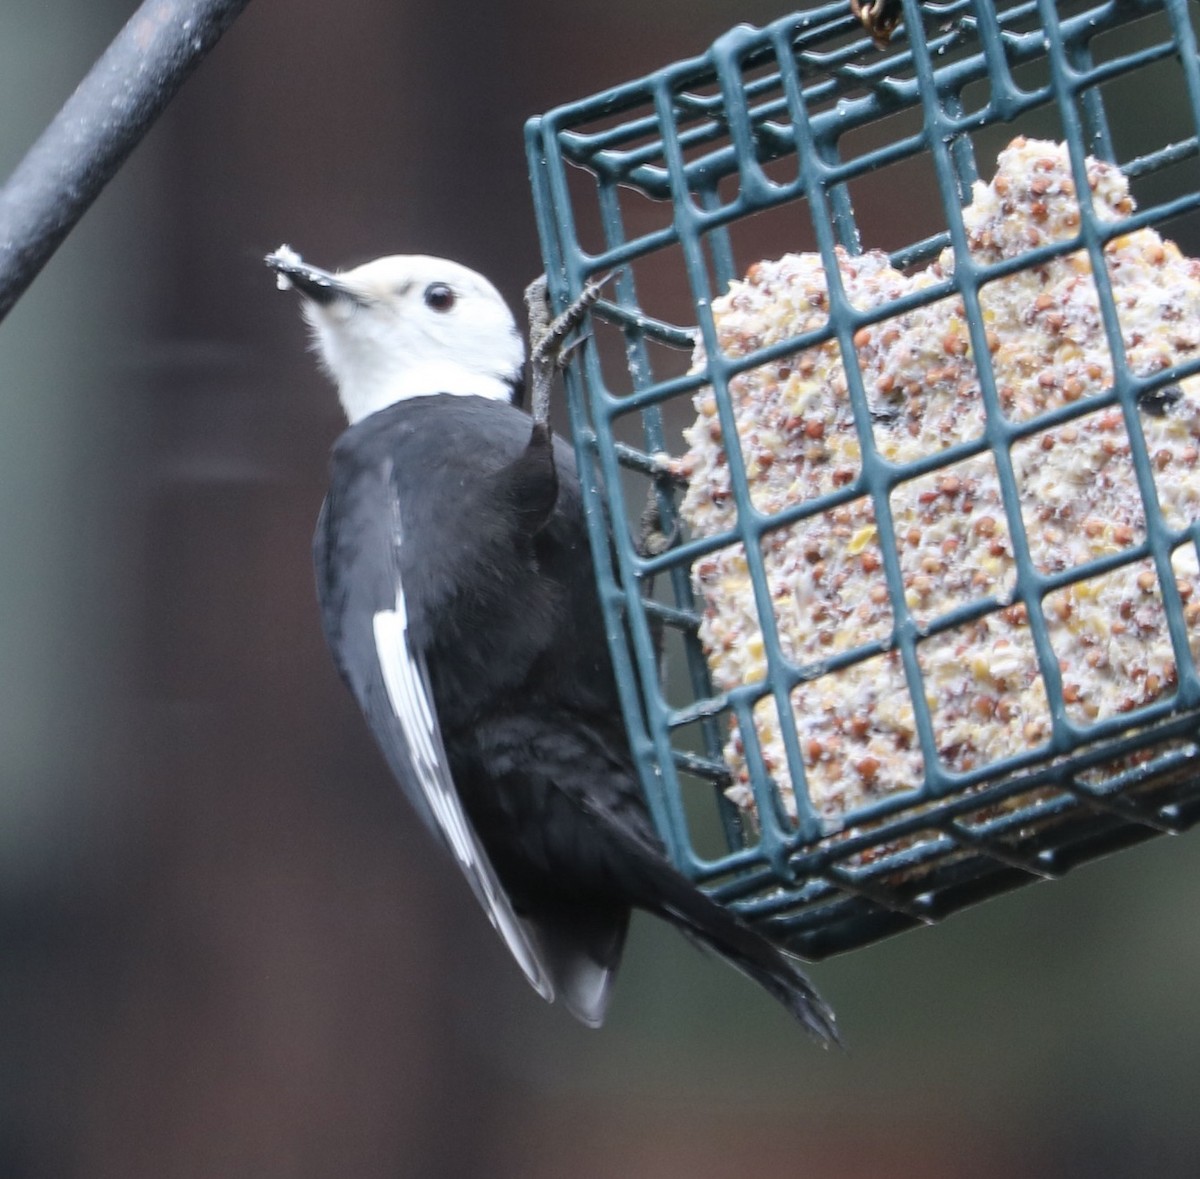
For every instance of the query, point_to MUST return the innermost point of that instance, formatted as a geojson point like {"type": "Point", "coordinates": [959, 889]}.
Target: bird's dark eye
{"type": "Point", "coordinates": [439, 297]}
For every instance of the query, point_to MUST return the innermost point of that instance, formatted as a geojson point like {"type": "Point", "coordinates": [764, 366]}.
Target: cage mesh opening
{"type": "Point", "coordinates": [804, 138]}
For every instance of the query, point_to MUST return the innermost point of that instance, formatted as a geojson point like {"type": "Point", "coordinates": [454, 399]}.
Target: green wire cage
{"type": "Point", "coordinates": [807, 139]}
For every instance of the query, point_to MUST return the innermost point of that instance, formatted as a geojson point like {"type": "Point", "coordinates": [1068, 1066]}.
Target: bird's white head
{"type": "Point", "coordinates": [405, 326]}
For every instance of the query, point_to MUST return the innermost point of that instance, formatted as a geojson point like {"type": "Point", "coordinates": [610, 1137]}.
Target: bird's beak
{"type": "Point", "coordinates": [311, 281]}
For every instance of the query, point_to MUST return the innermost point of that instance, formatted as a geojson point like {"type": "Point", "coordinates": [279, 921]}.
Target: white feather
{"type": "Point", "coordinates": [406, 683]}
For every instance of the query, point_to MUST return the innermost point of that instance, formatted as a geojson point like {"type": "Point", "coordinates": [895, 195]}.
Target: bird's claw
{"type": "Point", "coordinates": [652, 540]}
{"type": "Point", "coordinates": [548, 345]}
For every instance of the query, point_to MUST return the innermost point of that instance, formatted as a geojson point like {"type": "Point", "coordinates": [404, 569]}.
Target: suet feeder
{"type": "Point", "coordinates": [821, 137]}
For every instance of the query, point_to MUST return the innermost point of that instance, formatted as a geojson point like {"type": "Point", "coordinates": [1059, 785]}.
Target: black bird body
{"type": "Point", "coordinates": [491, 553]}
{"type": "Point", "coordinates": [458, 598]}
{"type": "Point", "coordinates": [494, 564]}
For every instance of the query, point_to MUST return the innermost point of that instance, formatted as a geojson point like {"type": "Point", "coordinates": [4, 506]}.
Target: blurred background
{"type": "Point", "coordinates": [225, 947]}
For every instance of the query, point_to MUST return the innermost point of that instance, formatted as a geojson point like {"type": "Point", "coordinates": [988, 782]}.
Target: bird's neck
{"type": "Point", "coordinates": [370, 392]}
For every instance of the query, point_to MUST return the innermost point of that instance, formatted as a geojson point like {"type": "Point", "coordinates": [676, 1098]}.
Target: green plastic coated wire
{"type": "Point", "coordinates": [657, 176]}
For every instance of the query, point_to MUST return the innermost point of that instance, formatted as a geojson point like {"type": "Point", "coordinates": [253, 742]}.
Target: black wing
{"type": "Point", "coordinates": [379, 628]}
{"type": "Point", "coordinates": [368, 632]}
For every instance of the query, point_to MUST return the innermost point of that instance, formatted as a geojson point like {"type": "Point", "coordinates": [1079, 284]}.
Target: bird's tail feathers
{"type": "Point", "coordinates": [655, 885]}
{"type": "Point", "coordinates": [724, 933]}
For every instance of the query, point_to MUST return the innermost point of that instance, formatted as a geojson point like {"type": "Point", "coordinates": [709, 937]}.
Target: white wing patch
{"type": "Point", "coordinates": [408, 702]}
{"type": "Point", "coordinates": [406, 682]}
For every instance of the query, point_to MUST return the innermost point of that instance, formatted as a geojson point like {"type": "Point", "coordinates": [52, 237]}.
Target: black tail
{"type": "Point", "coordinates": [723, 932]}
{"type": "Point", "coordinates": [555, 765]}
{"type": "Point", "coordinates": [651, 883]}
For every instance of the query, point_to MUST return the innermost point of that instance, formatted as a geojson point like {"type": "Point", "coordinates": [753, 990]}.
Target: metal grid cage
{"type": "Point", "coordinates": [803, 136]}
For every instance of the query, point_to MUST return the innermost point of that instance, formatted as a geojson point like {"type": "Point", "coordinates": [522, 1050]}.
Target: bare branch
{"type": "Point", "coordinates": [97, 128]}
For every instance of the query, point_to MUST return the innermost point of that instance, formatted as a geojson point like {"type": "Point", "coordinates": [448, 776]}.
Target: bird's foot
{"type": "Point", "coordinates": [548, 345]}
{"type": "Point", "coordinates": [652, 539]}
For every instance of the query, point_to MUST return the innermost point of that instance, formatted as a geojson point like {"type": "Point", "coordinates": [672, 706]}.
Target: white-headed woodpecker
{"type": "Point", "coordinates": [458, 599]}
